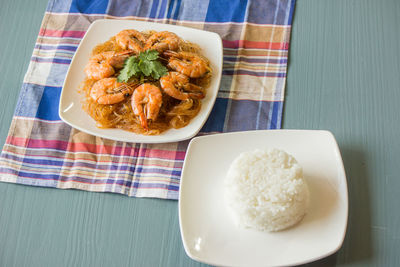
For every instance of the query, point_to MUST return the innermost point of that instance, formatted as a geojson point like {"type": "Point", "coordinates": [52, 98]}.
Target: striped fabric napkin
{"type": "Point", "coordinates": [41, 150]}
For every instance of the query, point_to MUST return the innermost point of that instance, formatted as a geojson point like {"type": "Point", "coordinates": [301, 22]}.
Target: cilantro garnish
{"type": "Point", "coordinates": [143, 65]}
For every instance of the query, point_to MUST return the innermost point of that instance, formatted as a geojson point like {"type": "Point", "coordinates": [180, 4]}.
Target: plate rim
{"type": "Point", "coordinates": [276, 131]}
{"type": "Point", "coordinates": [138, 138]}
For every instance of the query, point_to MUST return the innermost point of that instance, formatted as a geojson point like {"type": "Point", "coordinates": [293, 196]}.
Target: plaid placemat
{"type": "Point", "coordinates": [41, 150]}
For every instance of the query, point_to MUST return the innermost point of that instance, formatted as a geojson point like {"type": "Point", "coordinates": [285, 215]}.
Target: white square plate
{"type": "Point", "coordinates": [70, 109]}
{"type": "Point", "coordinates": [208, 230]}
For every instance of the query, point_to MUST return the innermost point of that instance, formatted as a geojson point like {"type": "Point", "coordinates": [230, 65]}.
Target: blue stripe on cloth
{"type": "Point", "coordinates": [127, 183]}
{"type": "Point", "coordinates": [177, 7]}
{"type": "Point", "coordinates": [276, 117]}
{"type": "Point", "coordinates": [248, 115]}
{"type": "Point", "coordinates": [291, 11]}
{"type": "Point", "coordinates": [160, 171]}
{"type": "Point", "coordinates": [271, 12]}
{"type": "Point", "coordinates": [173, 9]}
{"type": "Point", "coordinates": [28, 100]}
{"type": "Point", "coordinates": [51, 60]}
{"type": "Point", "coordinates": [173, 187]}
{"type": "Point", "coordinates": [226, 11]}
{"type": "Point", "coordinates": [6, 170]}
{"type": "Point", "coordinates": [48, 107]}
{"type": "Point", "coordinates": [57, 6]}
{"type": "Point", "coordinates": [56, 47]}
{"type": "Point", "coordinates": [154, 8]}
{"type": "Point", "coordinates": [88, 6]}
{"type": "Point", "coordinates": [43, 162]}
{"type": "Point", "coordinates": [193, 10]}
{"type": "Point", "coordinates": [37, 163]}
{"type": "Point", "coordinates": [163, 9]}
{"type": "Point", "coordinates": [215, 122]}
{"type": "Point", "coordinates": [129, 8]}
{"type": "Point", "coordinates": [170, 7]}
{"type": "Point", "coordinates": [40, 176]}
{"type": "Point", "coordinates": [44, 180]}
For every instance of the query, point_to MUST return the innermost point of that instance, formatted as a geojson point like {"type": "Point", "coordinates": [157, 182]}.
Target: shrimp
{"type": "Point", "coordinates": [174, 83]}
{"type": "Point", "coordinates": [146, 103]}
{"type": "Point", "coordinates": [98, 67]}
{"type": "Point", "coordinates": [117, 60]}
{"type": "Point", "coordinates": [131, 39]}
{"type": "Point", "coordinates": [187, 63]}
{"type": "Point", "coordinates": [109, 91]}
{"type": "Point", "coordinates": [103, 65]}
{"type": "Point", "coordinates": [162, 41]}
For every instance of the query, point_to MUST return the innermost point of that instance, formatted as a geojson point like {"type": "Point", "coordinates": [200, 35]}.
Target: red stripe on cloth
{"type": "Point", "coordinates": [252, 44]}
{"type": "Point", "coordinates": [16, 141]}
{"type": "Point", "coordinates": [104, 149]}
{"type": "Point", "coordinates": [56, 33]}
{"type": "Point", "coordinates": [37, 143]}
{"type": "Point", "coordinates": [92, 148]}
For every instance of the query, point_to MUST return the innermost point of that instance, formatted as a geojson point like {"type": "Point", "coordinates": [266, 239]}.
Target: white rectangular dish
{"type": "Point", "coordinates": [70, 108]}
{"type": "Point", "coordinates": [208, 231]}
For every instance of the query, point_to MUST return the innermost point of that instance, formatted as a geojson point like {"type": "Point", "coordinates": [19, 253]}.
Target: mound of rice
{"type": "Point", "coordinates": [266, 190]}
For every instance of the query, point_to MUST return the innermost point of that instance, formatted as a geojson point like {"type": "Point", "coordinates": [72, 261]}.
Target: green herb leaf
{"type": "Point", "coordinates": [145, 64]}
{"type": "Point", "coordinates": [149, 55]}
{"type": "Point", "coordinates": [129, 70]}
{"type": "Point", "coordinates": [158, 70]}
{"type": "Point", "coordinates": [144, 67]}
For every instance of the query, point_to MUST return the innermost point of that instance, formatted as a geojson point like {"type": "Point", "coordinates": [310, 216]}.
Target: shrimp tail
{"type": "Point", "coordinates": [143, 121]}
{"type": "Point", "coordinates": [195, 91]}
{"type": "Point", "coordinates": [170, 53]}
{"type": "Point", "coordinates": [127, 52]}
{"type": "Point", "coordinates": [197, 95]}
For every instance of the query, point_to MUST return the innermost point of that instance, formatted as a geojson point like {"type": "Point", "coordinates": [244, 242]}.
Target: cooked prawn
{"type": "Point", "coordinates": [98, 67]}
{"type": "Point", "coordinates": [131, 39]}
{"type": "Point", "coordinates": [117, 60]}
{"type": "Point", "coordinates": [146, 103]}
{"type": "Point", "coordinates": [187, 63]}
{"type": "Point", "coordinates": [162, 41]}
{"type": "Point", "coordinates": [174, 83]}
{"type": "Point", "coordinates": [103, 65]}
{"type": "Point", "coordinates": [110, 91]}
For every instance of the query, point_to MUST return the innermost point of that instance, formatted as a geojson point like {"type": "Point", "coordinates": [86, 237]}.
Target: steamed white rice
{"type": "Point", "coordinates": [266, 190]}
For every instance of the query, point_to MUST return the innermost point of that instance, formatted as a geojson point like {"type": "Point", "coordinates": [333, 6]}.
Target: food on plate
{"type": "Point", "coordinates": [145, 82]}
{"type": "Point", "coordinates": [265, 190]}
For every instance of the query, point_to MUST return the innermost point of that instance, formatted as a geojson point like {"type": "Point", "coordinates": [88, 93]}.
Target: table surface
{"type": "Point", "coordinates": [343, 76]}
